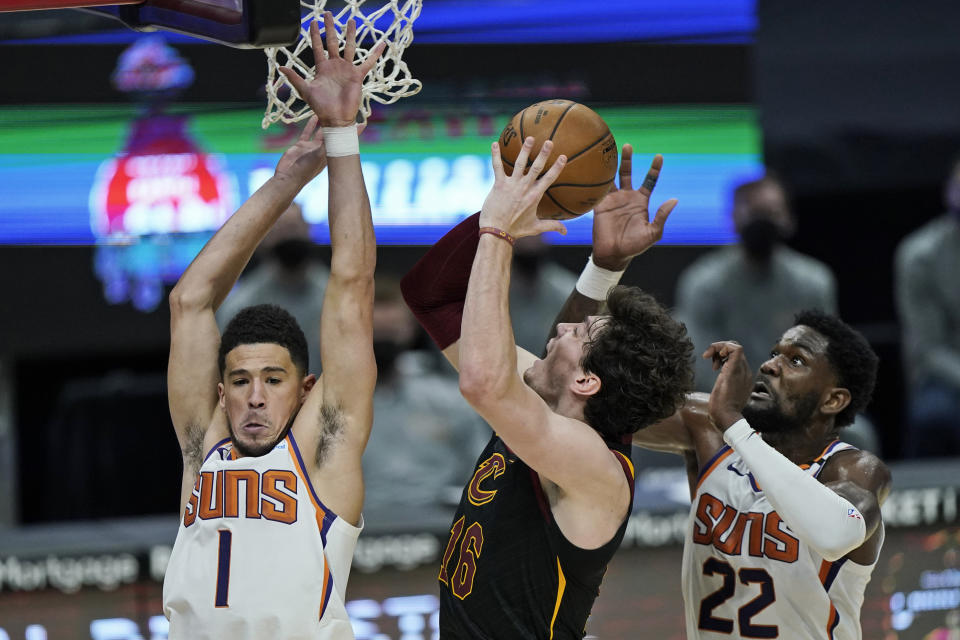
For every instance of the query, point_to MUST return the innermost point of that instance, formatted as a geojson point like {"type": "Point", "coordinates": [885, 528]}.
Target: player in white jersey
{"type": "Point", "coordinates": [272, 487]}
{"type": "Point", "coordinates": [785, 525]}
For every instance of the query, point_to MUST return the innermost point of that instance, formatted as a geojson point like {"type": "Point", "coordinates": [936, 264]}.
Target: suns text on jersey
{"type": "Point", "coordinates": [217, 494]}
{"type": "Point", "coordinates": [729, 530]}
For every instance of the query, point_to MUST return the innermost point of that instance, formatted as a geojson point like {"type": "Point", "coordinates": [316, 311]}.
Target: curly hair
{"type": "Point", "coordinates": [851, 357]}
{"type": "Point", "coordinates": [644, 360]}
{"type": "Point", "coordinates": [265, 323]}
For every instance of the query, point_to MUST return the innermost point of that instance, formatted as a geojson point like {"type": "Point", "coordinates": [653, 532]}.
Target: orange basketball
{"type": "Point", "coordinates": [578, 133]}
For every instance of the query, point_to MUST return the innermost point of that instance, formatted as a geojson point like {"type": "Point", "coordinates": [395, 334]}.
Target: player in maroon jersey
{"type": "Point", "coordinates": [548, 502]}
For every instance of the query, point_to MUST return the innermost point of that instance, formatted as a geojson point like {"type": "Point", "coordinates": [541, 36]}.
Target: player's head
{"type": "Point", "coordinates": [821, 370]}
{"type": "Point", "coordinates": [761, 215]}
{"type": "Point", "coordinates": [263, 370]}
{"type": "Point", "coordinates": [629, 368]}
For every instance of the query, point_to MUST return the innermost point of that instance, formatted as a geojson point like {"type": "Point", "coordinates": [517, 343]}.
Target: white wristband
{"type": "Point", "coordinates": [595, 282]}
{"type": "Point", "coordinates": [341, 141]}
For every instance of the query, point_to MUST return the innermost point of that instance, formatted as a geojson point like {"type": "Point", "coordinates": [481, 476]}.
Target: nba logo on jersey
{"type": "Point", "coordinates": [852, 513]}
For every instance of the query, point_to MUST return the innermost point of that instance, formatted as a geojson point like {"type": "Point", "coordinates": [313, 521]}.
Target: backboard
{"type": "Point", "coordinates": [244, 24]}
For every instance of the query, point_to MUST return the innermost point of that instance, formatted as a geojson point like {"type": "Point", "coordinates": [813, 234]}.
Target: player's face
{"type": "Point", "coordinates": [791, 383]}
{"type": "Point", "coordinates": [261, 393]}
{"type": "Point", "coordinates": [553, 374]}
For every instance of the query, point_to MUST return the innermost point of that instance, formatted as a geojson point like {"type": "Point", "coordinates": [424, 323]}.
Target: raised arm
{"type": "Point", "coordinates": [837, 514]}
{"type": "Point", "coordinates": [192, 372]}
{"type": "Point", "coordinates": [435, 289]}
{"type": "Point", "coordinates": [334, 424]}
{"type": "Point", "coordinates": [622, 230]}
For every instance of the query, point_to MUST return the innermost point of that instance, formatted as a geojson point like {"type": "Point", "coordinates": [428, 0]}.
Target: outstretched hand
{"type": "Point", "coordinates": [621, 221]}
{"type": "Point", "coordinates": [512, 203]}
{"type": "Point", "coordinates": [307, 157]}
{"type": "Point", "coordinates": [334, 91]}
{"type": "Point", "coordinates": [733, 386]}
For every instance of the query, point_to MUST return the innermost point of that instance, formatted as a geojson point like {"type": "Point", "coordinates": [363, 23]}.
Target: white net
{"type": "Point", "coordinates": [387, 82]}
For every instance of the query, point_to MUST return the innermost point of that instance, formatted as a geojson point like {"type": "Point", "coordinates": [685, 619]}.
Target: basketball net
{"type": "Point", "coordinates": [387, 82]}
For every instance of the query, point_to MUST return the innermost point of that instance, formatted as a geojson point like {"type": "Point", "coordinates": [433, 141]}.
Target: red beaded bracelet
{"type": "Point", "coordinates": [500, 233]}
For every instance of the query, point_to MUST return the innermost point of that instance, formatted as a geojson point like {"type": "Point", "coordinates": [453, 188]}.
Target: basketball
{"type": "Point", "coordinates": [578, 133]}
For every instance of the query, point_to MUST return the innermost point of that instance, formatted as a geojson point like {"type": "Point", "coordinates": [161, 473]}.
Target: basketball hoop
{"type": "Point", "coordinates": [387, 82]}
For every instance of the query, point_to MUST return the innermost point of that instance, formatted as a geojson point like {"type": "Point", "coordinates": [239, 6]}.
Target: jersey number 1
{"type": "Point", "coordinates": [223, 568]}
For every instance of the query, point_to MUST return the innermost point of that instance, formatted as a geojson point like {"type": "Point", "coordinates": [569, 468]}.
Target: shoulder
{"type": "Point", "coordinates": [924, 241]}
{"type": "Point", "coordinates": [807, 266]}
{"type": "Point", "coordinates": [861, 468]}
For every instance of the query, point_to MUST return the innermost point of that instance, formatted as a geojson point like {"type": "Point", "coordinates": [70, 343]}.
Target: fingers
{"type": "Point", "coordinates": [498, 174]}
{"type": "Point", "coordinates": [720, 352]}
{"type": "Point", "coordinates": [333, 44]}
{"type": "Point", "coordinates": [372, 57]}
{"type": "Point", "coordinates": [663, 212]}
{"type": "Point", "coordinates": [551, 225]}
{"type": "Point", "coordinates": [540, 161]}
{"type": "Point", "coordinates": [298, 83]}
{"type": "Point", "coordinates": [350, 42]}
{"type": "Point", "coordinates": [310, 129]}
{"type": "Point", "coordinates": [524, 154]}
{"type": "Point", "coordinates": [316, 43]}
{"type": "Point", "coordinates": [553, 173]}
{"type": "Point", "coordinates": [626, 167]}
{"type": "Point", "coordinates": [652, 175]}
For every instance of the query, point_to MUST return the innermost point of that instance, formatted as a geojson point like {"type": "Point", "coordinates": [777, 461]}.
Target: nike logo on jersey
{"type": "Point", "coordinates": [760, 534]}
{"type": "Point", "coordinates": [234, 493]}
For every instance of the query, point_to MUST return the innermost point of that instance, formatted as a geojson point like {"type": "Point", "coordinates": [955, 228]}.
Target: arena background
{"type": "Point", "coordinates": [855, 104]}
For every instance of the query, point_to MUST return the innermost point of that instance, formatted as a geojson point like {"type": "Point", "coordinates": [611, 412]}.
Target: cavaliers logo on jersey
{"type": "Point", "coordinates": [494, 466]}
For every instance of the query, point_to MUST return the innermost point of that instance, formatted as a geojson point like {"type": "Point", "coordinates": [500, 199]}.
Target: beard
{"type": "Point", "coordinates": [773, 419]}
{"type": "Point", "coordinates": [254, 450]}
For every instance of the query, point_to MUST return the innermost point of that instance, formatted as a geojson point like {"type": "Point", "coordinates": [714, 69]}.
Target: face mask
{"type": "Point", "coordinates": [759, 237]}
{"type": "Point", "coordinates": [293, 253]}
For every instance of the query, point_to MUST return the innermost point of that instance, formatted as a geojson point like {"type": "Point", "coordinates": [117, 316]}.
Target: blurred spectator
{"type": "Point", "coordinates": [928, 300]}
{"type": "Point", "coordinates": [288, 275]}
{"type": "Point", "coordinates": [425, 437]}
{"type": "Point", "coordinates": [750, 291]}
{"type": "Point", "coordinates": [538, 289]}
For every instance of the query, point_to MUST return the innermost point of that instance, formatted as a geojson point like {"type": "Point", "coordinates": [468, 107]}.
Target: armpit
{"type": "Point", "coordinates": [332, 424]}
{"type": "Point", "coordinates": [193, 448]}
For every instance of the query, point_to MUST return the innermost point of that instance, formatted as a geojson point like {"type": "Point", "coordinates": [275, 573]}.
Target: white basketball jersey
{"type": "Point", "coordinates": [746, 575]}
{"type": "Point", "coordinates": [257, 554]}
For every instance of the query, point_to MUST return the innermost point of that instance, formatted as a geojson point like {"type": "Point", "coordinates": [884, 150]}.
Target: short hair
{"type": "Point", "coordinates": [851, 357]}
{"type": "Point", "coordinates": [643, 358]}
{"type": "Point", "coordinates": [265, 323]}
